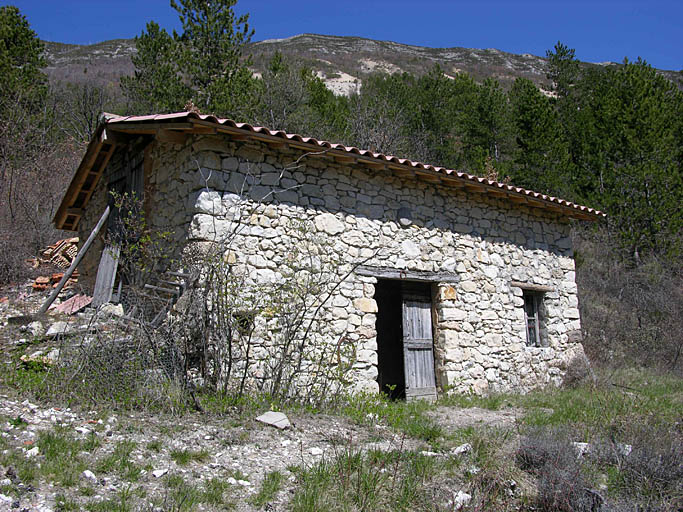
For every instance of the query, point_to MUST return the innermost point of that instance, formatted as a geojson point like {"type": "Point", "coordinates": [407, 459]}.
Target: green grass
{"type": "Point", "coordinates": [154, 446]}
{"type": "Point", "coordinates": [184, 457]}
{"type": "Point", "coordinates": [183, 496]}
{"type": "Point", "coordinates": [402, 481]}
{"type": "Point", "coordinates": [271, 485]}
{"type": "Point", "coordinates": [63, 463]}
{"type": "Point", "coordinates": [123, 502]}
{"type": "Point", "coordinates": [119, 461]}
{"type": "Point", "coordinates": [406, 417]}
{"type": "Point", "coordinates": [626, 396]}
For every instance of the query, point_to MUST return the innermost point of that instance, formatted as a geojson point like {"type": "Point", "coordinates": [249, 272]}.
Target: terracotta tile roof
{"type": "Point", "coordinates": [173, 122]}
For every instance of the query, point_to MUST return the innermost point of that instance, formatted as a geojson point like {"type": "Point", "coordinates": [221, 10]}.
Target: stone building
{"type": "Point", "coordinates": [457, 283]}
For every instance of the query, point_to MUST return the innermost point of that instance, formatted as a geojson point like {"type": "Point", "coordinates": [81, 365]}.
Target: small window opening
{"type": "Point", "coordinates": [532, 316]}
{"type": "Point", "coordinates": [244, 323]}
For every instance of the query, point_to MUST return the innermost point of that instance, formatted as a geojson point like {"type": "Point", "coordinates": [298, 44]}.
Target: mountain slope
{"type": "Point", "coordinates": [341, 61]}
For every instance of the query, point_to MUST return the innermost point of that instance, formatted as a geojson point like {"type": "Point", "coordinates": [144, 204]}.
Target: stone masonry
{"type": "Point", "coordinates": [202, 189]}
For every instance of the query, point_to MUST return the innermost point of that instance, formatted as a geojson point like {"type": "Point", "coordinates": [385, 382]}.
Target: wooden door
{"type": "Point", "coordinates": [418, 348]}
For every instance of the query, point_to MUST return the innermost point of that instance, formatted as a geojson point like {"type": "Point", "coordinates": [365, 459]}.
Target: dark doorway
{"type": "Point", "coordinates": [389, 327]}
{"type": "Point", "coordinates": [404, 344]}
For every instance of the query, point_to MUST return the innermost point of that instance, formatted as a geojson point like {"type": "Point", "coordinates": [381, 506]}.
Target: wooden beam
{"type": "Point", "coordinates": [375, 165]}
{"type": "Point", "coordinates": [78, 212]}
{"type": "Point", "coordinates": [172, 136]}
{"type": "Point", "coordinates": [100, 170]}
{"type": "Point", "coordinates": [345, 159]}
{"type": "Point", "coordinates": [407, 275]}
{"type": "Point", "coordinates": [147, 128]}
{"type": "Point", "coordinates": [473, 188]}
{"type": "Point", "coordinates": [403, 173]}
{"type": "Point", "coordinates": [535, 203]}
{"type": "Point", "coordinates": [277, 144]}
{"type": "Point", "coordinates": [428, 176]}
{"type": "Point", "coordinates": [496, 193]}
{"type": "Point", "coordinates": [453, 183]}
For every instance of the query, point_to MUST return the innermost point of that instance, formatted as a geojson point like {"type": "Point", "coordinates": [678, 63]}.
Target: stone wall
{"type": "Point", "coordinates": [204, 189]}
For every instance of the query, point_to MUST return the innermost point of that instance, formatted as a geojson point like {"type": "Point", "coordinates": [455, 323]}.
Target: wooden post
{"type": "Point", "coordinates": [75, 263]}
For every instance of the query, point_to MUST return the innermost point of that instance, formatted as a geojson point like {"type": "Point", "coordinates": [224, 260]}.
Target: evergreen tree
{"type": "Point", "coordinates": [541, 158]}
{"type": "Point", "coordinates": [21, 60]}
{"type": "Point", "coordinates": [157, 84]}
{"type": "Point", "coordinates": [204, 64]}
{"type": "Point", "coordinates": [211, 56]}
{"type": "Point", "coordinates": [563, 69]}
{"type": "Point", "coordinates": [487, 128]}
{"type": "Point", "coordinates": [630, 154]}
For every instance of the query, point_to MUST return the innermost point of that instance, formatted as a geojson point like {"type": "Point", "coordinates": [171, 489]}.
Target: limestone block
{"type": "Point", "coordinates": [468, 286]}
{"type": "Point", "coordinates": [208, 227]}
{"type": "Point", "coordinates": [329, 224]}
{"type": "Point", "coordinates": [571, 313]}
{"type": "Point", "coordinates": [208, 201]}
{"type": "Point", "coordinates": [210, 144]}
{"type": "Point", "coordinates": [365, 305]}
{"type": "Point", "coordinates": [269, 179]}
{"type": "Point", "coordinates": [209, 159]}
{"type": "Point", "coordinates": [493, 340]}
{"type": "Point", "coordinates": [454, 354]}
{"type": "Point", "coordinates": [489, 315]}
{"type": "Point", "coordinates": [452, 314]}
{"type": "Point", "coordinates": [230, 164]}
{"type": "Point", "coordinates": [367, 356]}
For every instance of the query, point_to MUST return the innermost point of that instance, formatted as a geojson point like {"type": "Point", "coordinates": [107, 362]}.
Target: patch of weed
{"type": "Point", "coordinates": [406, 417]}
{"type": "Point", "coordinates": [62, 461]}
{"type": "Point", "coordinates": [120, 462]}
{"type": "Point", "coordinates": [271, 485]}
{"type": "Point", "coordinates": [154, 446]}
{"type": "Point", "coordinates": [184, 457]}
{"type": "Point", "coordinates": [65, 504]}
{"type": "Point", "coordinates": [214, 492]}
{"type": "Point", "coordinates": [377, 480]}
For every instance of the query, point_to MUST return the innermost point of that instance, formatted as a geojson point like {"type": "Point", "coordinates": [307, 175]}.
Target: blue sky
{"type": "Point", "coordinates": [600, 30]}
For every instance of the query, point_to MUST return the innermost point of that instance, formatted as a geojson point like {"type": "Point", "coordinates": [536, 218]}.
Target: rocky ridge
{"type": "Point", "coordinates": [342, 62]}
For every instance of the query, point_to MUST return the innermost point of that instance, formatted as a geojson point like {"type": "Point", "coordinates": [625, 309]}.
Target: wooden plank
{"type": "Point", "coordinates": [453, 183]}
{"type": "Point", "coordinates": [115, 138]}
{"type": "Point", "coordinates": [106, 275]}
{"type": "Point", "coordinates": [409, 275]}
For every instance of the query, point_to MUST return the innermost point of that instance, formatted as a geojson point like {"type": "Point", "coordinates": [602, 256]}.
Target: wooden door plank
{"type": "Point", "coordinates": [106, 275]}
{"type": "Point", "coordinates": [418, 348]}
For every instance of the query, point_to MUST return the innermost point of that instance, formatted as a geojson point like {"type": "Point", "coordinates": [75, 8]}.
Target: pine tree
{"type": "Point", "coordinates": [541, 157]}
{"type": "Point", "coordinates": [204, 64]}
{"type": "Point", "coordinates": [157, 85]}
{"type": "Point", "coordinates": [21, 60]}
